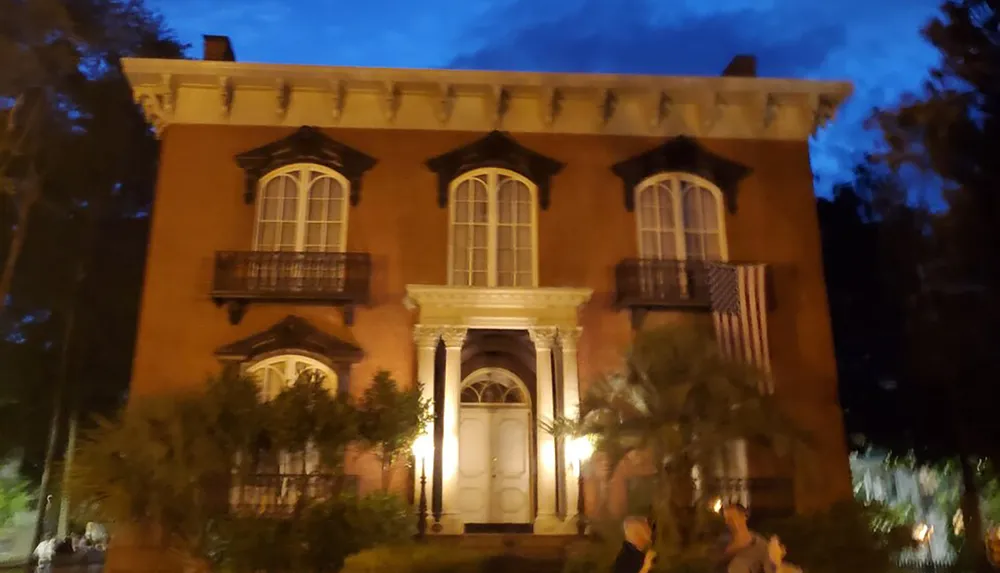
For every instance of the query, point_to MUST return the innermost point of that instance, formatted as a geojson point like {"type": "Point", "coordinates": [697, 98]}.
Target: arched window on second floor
{"type": "Point", "coordinates": [302, 208]}
{"type": "Point", "coordinates": [680, 217]}
{"type": "Point", "coordinates": [493, 236]}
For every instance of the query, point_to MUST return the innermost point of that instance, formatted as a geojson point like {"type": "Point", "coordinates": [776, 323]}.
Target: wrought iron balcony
{"type": "Point", "coordinates": [765, 497]}
{"type": "Point", "coordinates": [242, 277]}
{"type": "Point", "coordinates": [281, 494]}
{"type": "Point", "coordinates": [662, 284]}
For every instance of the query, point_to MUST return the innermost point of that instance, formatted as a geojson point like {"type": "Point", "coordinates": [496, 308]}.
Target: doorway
{"type": "Point", "coordinates": [494, 449]}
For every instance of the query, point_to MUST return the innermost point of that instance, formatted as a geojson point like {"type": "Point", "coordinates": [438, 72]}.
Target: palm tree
{"type": "Point", "coordinates": [679, 402]}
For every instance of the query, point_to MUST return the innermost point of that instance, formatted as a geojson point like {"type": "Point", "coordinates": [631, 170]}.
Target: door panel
{"type": "Point", "coordinates": [511, 478]}
{"type": "Point", "coordinates": [494, 465]}
{"type": "Point", "coordinates": [474, 461]}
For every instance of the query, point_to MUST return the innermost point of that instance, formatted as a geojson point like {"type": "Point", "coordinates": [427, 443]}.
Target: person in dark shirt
{"type": "Point", "coordinates": [636, 556]}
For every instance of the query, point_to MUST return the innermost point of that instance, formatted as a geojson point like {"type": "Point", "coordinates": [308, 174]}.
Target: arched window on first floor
{"type": "Point", "coordinates": [276, 373]}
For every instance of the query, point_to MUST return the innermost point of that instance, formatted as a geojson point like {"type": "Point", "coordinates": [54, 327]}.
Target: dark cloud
{"type": "Point", "coordinates": [625, 37]}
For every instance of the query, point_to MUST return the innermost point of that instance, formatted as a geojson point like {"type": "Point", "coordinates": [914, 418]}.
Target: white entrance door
{"type": "Point", "coordinates": [494, 469]}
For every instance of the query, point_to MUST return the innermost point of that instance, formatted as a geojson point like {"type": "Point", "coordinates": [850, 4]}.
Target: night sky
{"type": "Point", "coordinates": [874, 43]}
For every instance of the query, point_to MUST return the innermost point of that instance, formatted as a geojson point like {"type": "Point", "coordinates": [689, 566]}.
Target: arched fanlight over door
{"type": "Point", "coordinates": [493, 386]}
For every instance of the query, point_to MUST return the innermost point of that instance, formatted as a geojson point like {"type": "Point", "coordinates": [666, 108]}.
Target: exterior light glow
{"type": "Point", "coordinates": [422, 447]}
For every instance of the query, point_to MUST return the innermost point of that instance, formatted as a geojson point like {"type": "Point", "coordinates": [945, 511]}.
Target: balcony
{"type": "Point", "coordinates": [770, 497]}
{"type": "Point", "coordinates": [244, 277]}
{"type": "Point", "coordinates": [281, 494]}
{"type": "Point", "coordinates": [662, 284]}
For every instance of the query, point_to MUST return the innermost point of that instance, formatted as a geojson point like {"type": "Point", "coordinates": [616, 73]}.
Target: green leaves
{"type": "Point", "coordinates": [678, 403]}
{"type": "Point", "coordinates": [391, 419]}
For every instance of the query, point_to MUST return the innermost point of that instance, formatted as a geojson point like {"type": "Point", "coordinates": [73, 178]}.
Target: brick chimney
{"type": "Point", "coordinates": [741, 66]}
{"type": "Point", "coordinates": [218, 49]}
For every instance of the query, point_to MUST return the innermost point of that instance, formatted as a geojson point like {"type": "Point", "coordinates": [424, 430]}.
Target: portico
{"type": "Point", "coordinates": [485, 436]}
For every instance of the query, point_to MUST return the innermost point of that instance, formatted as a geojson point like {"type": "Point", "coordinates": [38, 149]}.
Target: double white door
{"type": "Point", "coordinates": [494, 467]}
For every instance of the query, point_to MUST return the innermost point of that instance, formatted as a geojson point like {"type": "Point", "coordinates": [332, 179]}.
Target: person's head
{"type": "Point", "coordinates": [638, 532]}
{"type": "Point", "coordinates": [736, 516]}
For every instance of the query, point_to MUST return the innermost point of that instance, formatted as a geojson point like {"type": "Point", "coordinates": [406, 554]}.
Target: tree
{"type": "Point", "coordinates": [306, 418]}
{"type": "Point", "coordinates": [679, 403]}
{"type": "Point", "coordinates": [391, 419]}
{"type": "Point", "coordinates": [91, 160]}
{"type": "Point", "coordinates": [952, 129]}
{"type": "Point", "coordinates": [873, 241]}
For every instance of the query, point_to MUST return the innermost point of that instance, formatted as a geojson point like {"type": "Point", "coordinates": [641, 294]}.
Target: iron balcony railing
{"type": "Point", "coordinates": [659, 283]}
{"type": "Point", "coordinates": [765, 497]}
{"type": "Point", "coordinates": [279, 275]}
{"type": "Point", "coordinates": [276, 494]}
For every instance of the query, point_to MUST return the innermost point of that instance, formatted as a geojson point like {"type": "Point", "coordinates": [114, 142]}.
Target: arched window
{"type": "Point", "coordinates": [680, 217]}
{"type": "Point", "coordinates": [493, 386]}
{"type": "Point", "coordinates": [278, 372]}
{"type": "Point", "coordinates": [302, 208]}
{"type": "Point", "coordinates": [493, 233]}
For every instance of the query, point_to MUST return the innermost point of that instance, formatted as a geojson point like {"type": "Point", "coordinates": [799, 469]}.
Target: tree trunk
{"type": "Point", "coordinates": [24, 208]}
{"type": "Point", "coordinates": [972, 515]}
{"type": "Point", "coordinates": [54, 425]}
{"type": "Point", "coordinates": [64, 500]}
{"type": "Point", "coordinates": [386, 474]}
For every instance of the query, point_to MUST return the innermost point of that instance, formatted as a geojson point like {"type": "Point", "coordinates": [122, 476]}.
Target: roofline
{"type": "Point", "coordinates": [442, 88]}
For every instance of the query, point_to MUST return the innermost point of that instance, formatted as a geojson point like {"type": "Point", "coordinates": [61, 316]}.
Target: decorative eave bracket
{"type": "Point", "coordinates": [306, 145]}
{"type": "Point", "coordinates": [496, 149]}
{"type": "Point", "coordinates": [681, 155]}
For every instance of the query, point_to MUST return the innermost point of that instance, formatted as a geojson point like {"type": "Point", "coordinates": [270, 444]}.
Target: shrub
{"type": "Point", "coordinates": [318, 539]}
{"type": "Point", "coordinates": [15, 497]}
{"type": "Point", "coordinates": [849, 536]}
{"type": "Point", "coordinates": [416, 558]}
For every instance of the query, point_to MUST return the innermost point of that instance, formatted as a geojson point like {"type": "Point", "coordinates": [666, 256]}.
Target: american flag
{"type": "Point", "coordinates": [739, 310]}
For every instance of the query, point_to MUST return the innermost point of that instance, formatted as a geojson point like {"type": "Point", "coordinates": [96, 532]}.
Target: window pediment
{"type": "Point", "coordinates": [498, 150]}
{"type": "Point", "coordinates": [291, 334]}
{"type": "Point", "coordinates": [305, 145]}
{"type": "Point", "coordinates": [681, 155]}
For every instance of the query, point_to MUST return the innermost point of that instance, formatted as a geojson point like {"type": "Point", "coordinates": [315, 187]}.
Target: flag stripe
{"type": "Point", "coordinates": [739, 311]}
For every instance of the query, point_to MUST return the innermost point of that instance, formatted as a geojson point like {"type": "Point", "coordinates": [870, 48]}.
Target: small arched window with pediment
{"type": "Point", "coordinates": [276, 373]}
{"type": "Point", "coordinates": [493, 232]}
{"type": "Point", "coordinates": [302, 208]}
{"type": "Point", "coordinates": [680, 217]}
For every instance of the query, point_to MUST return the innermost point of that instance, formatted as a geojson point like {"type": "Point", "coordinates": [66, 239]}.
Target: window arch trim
{"type": "Point", "coordinates": [499, 151]}
{"type": "Point", "coordinates": [291, 359]}
{"type": "Point", "coordinates": [677, 210]}
{"type": "Point", "coordinates": [681, 155]}
{"type": "Point", "coordinates": [307, 144]}
{"type": "Point", "coordinates": [302, 205]}
{"type": "Point", "coordinates": [493, 174]}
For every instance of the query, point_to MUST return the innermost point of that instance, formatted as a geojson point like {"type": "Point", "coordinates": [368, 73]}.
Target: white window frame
{"type": "Point", "coordinates": [302, 204]}
{"type": "Point", "coordinates": [493, 174]}
{"type": "Point", "coordinates": [680, 227]}
{"type": "Point", "coordinates": [289, 373]}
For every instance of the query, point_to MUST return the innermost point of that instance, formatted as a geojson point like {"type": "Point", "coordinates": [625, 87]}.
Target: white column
{"type": "Point", "coordinates": [547, 521]}
{"type": "Point", "coordinates": [571, 409]}
{"type": "Point", "coordinates": [454, 338]}
{"type": "Point", "coordinates": [426, 339]}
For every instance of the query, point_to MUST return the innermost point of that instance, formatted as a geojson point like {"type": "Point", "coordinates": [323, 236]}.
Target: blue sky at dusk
{"type": "Point", "coordinates": [874, 43]}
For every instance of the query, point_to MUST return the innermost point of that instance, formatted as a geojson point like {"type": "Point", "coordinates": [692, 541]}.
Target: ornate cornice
{"type": "Point", "coordinates": [496, 149]}
{"type": "Point", "coordinates": [423, 296]}
{"type": "Point", "coordinates": [235, 93]}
